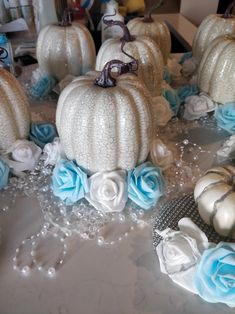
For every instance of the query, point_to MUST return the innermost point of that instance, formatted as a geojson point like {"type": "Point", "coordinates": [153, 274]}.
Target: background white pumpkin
{"type": "Point", "coordinates": [215, 196]}
{"type": "Point", "coordinates": [105, 129]}
{"type": "Point", "coordinates": [216, 72]}
{"type": "Point", "coordinates": [211, 27]}
{"type": "Point", "coordinates": [155, 29]}
{"type": "Point", "coordinates": [63, 50]}
{"type": "Point", "coordinates": [14, 111]}
{"type": "Point", "coordinates": [141, 48]}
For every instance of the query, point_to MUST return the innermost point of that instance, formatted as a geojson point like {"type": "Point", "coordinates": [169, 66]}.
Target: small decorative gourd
{"type": "Point", "coordinates": [105, 123]}
{"type": "Point", "coordinates": [14, 111]}
{"type": "Point", "coordinates": [216, 72]}
{"type": "Point", "coordinates": [213, 26]}
{"type": "Point", "coordinates": [65, 49]}
{"type": "Point", "coordinates": [154, 28]}
{"type": "Point", "coordinates": [215, 196]}
{"type": "Point", "coordinates": [142, 48]}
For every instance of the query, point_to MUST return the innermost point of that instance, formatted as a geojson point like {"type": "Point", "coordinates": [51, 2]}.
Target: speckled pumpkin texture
{"type": "Point", "coordinates": [215, 196]}
{"type": "Point", "coordinates": [105, 129]}
{"type": "Point", "coordinates": [143, 49]}
{"type": "Point", "coordinates": [14, 111]}
{"type": "Point", "coordinates": [157, 30]}
{"type": "Point", "coordinates": [65, 50]}
{"type": "Point", "coordinates": [216, 73]}
{"type": "Point", "coordinates": [211, 27]}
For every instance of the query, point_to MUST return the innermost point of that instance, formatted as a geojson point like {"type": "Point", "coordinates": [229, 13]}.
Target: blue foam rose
{"type": "Point", "coordinates": [185, 56]}
{"type": "Point", "coordinates": [42, 133]}
{"type": "Point", "coordinates": [214, 278]}
{"type": "Point", "coordinates": [172, 97]}
{"type": "Point", "coordinates": [43, 87]}
{"type": "Point", "coordinates": [186, 91]}
{"type": "Point", "coordinates": [4, 174]}
{"type": "Point", "coordinates": [167, 76]}
{"type": "Point", "coordinates": [225, 116]}
{"type": "Point", "coordinates": [145, 185]}
{"type": "Point", "coordinates": [69, 182]}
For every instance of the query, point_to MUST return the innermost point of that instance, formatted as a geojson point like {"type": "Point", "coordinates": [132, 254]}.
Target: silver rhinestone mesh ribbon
{"type": "Point", "coordinates": [172, 212]}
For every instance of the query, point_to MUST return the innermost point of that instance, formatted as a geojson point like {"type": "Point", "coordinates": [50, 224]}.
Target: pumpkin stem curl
{"type": "Point", "coordinates": [127, 37]}
{"type": "Point", "coordinates": [106, 80]}
{"type": "Point", "coordinates": [227, 13]}
{"type": "Point", "coordinates": [148, 15]}
{"type": "Point", "coordinates": [66, 19]}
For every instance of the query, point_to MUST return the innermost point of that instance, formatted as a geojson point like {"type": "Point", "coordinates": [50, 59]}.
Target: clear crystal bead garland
{"type": "Point", "coordinates": [64, 222]}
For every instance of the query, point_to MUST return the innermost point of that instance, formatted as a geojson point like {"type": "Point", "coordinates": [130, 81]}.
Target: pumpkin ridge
{"type": "Point", "coordinates": [214, 74]}
{"type": "Point", "coordinates": [207, 188]}
{"type": "Point", "coordinates": [215, 209]}
{"type": "Point", "coordinates": [16, 110]}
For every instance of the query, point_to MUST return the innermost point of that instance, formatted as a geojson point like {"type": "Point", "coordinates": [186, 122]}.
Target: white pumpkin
{"type": "Point", "coordinates": [216, 73]}
{"type": "Point", "coordinates": [154, 28]}
{"type": "Point", "coordinates": [14, 111]}
{"type": "Point", "coordinates": [213, 26]}
{"type": "Point", "coordinates": [63, 50]}
{"type": "Point", "coordinates": [143, 49]}
{"type": "Point", "coordinates": [215, 196]}
{"type": "Point", "coordinates": [105, 129]}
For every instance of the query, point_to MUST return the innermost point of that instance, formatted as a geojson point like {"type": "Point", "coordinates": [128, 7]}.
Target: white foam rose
{"type": "Point", "coordinates": [160, 155]}
{"type": "Point", "coordinates": [162, 112]}
{"type": "Point", "coordinates": [189, 67]}
{"type": "Point", "coordinates": [108, 191]}
{"type": "Point", "coordinates": [179, 252]}
{"type": "Point", "coordinates": [198, 106]}
{"type": "Point", "coordinates": [227, 151]}
{"type": "Point", "coordinates": [23, 155]}
{"type": "Point", "coordinates": [53, 152]}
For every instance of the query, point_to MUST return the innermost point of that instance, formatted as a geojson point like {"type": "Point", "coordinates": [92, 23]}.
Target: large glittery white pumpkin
{"type": "Point", "coordinates": [154, 28]}
{"type": "Point", "coordinates": [215, 196]}
{"type": "Point", "coordinates": [216, 73]}
{"type": "Point", "coordinates": [14, 111]}
{"type": "Point", "coordinates": [212, 26]}
{"type": "Point", "coordinates": [142, 48]}
{"type": "Point", "coordinates": [105, 129]}
{"type": "Point", "coordinates": [63, 50]}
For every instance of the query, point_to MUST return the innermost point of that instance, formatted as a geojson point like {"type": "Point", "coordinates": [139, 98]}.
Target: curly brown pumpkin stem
{"type": "Point", "coordinates": [105, 78]}
{"type": "Point", "coordinates": [127, 37]}
{"type": "Point", "coordinates": [148, 15]}
{"type": "Point", "coordinates": [227, 13]}
{"type": "Point", "coordinates": [66, 19]}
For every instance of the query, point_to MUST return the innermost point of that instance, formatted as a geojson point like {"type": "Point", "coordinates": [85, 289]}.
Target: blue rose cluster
{"type": "Point", "coordinates": [145, 183]}
{"type": "Point", "coordinates": [43, 87]}
{"type": "Point", "coordinates": [186, 91]}
{"type": "Point", "coordinates": [42, 133]}
{"type": "Point", "coordinates": [225, 116]}
{"type": "Point", "coordinates": [172, 97]}
{"type": "Point", "coordinates": [4, 174]}
{"type": "Point", "coordinates": [214, 279]}
{"type": "Point", "coordinates": [185, 56]}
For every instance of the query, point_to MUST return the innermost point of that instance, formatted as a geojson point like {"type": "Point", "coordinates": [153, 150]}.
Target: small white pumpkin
{"type": "Point", "coordinates": [107, 126]}
{"type": "Point", "coordinates": [143, 49]}
{"type": "Point", "coordinates": [216, 72]}
{"type": "Point", "coordinates": [14, 111]}
{"type": "Point", "coordinates": [215, 196]}
{"type": "Point", "coordinates": [153, 28]}
{"type": "Point", "coordinates": [213, 26]}
{"type": "Point", "coordinates": [65, 49]}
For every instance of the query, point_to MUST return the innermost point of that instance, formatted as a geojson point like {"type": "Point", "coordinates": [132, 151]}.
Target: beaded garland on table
{"type": "Point", "coordinates": [62, 222]}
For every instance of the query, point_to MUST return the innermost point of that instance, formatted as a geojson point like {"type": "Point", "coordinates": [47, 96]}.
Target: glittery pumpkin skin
{"type": "Point", "coordinates": [14, 111]}
{"type": "Point", "coordinates": [211, 27]}
{"type": "Point", "coordinates": [105, 129]}
{"type": "Point", "coordinates": [157, 30]}
{"type": "Point", "coordinates": [63, 50]}
{"type": "Point", "coordinates": [215, 197]}
{"type": "Point", "coordinates": [143, 49]}
{"type": "Point", "coordinates": [216, 73]}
